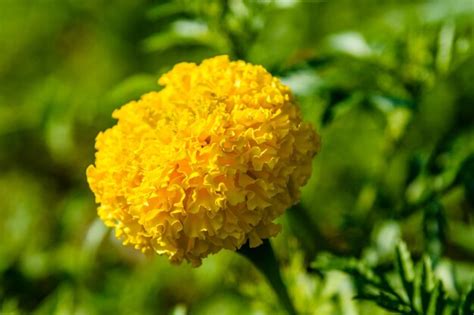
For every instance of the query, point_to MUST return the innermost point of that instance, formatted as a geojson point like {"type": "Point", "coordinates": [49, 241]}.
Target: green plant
{"type": "Point", "coordinates": [413, 290]}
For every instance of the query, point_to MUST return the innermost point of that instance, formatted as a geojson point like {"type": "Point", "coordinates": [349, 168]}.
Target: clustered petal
{"type": "Point", "coordinates": [209, 162]}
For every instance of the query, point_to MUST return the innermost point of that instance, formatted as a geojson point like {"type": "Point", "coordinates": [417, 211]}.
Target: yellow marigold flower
{"type": "Point", "coordinates": [209, 162]}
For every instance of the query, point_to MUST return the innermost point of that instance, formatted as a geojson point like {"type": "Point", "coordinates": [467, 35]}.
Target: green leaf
{"type": "Point", "coordinates": [131, 88]}
{"type": "Point", "coordinates": [405, 269]}
{"type": "Point", "coordinates": [386, 301]}
{"type": "Point", "coordinates": [184, 33]}
{"type": "Point", "coordinates": [425, 293]}
{"type": "Point", "coordinates": [340, 102]}
{"type": "Point", "coordinates": [427, 283]}
{"type": "Point", "coordinates": [437, 300]}
{"type": "Point", "coordinates": [165, 10]}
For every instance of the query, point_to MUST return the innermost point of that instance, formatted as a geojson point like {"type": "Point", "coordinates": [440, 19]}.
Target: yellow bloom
{"type": "Point", "coordinates": [209, 162]}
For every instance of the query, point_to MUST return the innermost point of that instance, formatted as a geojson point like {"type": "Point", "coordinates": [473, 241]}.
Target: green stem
{"type": "Point", "coordinates": [264, 259]}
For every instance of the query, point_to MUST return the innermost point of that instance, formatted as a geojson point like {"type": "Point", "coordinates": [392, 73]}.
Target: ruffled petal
{"type": "Point", "coordinates": [207, 163]}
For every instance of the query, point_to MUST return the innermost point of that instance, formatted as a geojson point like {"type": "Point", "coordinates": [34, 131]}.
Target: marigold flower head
{"type": "Point", "coordinates": [209, 162]}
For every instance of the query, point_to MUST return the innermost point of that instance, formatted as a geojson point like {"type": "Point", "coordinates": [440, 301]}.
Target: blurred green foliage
{"type": "Point", "coordinates": [388, 84]}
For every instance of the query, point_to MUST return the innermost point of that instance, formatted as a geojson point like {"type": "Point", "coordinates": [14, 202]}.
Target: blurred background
{"type": "Point", "coordinates": [388, 84]}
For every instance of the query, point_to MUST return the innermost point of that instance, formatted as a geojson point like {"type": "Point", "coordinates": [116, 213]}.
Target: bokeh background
{"type": "Point", "coordinates": [388, 84]}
